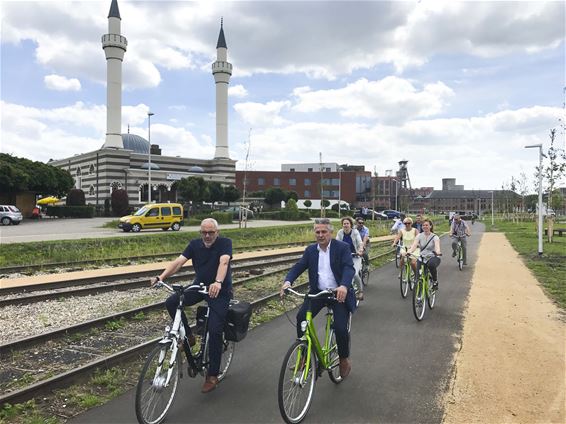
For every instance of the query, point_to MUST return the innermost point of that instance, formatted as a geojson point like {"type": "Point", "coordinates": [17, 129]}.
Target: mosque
{"type": "Point", "coordinates": [128, 161]}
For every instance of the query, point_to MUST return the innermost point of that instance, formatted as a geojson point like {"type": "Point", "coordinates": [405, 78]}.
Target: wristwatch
{"type": "Point", "coordinates": [218, 281]}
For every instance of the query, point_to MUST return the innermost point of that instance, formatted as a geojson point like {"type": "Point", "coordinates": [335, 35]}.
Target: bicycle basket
{"type": "Point", "coordinates": [237, 320]}
{"type": "Point", "coordinates": [201, 318]}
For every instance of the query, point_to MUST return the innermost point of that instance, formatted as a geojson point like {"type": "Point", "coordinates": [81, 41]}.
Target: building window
{"type": "Point", "coordinates": [260, 181]}
{"type": "Point", "coordinates": [91, 169]}
{"type": "Point", "coordinates": [307, 181]}
{"type": "Point", "coordinates": [328, 170]}
{"type": "Point", "coordinates": [276, 182]}
{"type": "Point", "coordinates": [307, 193]}
{"type": "Point", "coordinates": [291, 169]}
{"type": "Point", "coordinates": [78, 171]}
{"type": "Point", "coordinates": [91, 190]}
{"type": "Point", "coordinates": [292, 181]}
{"type": "Point", "coordinates": [309, 169]}
{"type": "Point", "coordinates": [115, 186]}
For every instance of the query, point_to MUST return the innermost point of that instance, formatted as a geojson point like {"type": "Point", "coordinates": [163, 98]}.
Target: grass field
{"type": "Point", "coordinates": [550, 269]}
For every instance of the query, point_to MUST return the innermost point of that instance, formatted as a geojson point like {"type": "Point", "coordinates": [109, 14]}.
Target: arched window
{"type": "Point", "coordinates": [91, 169]}
{"type": "Point", "coordinates": [91, 190]}
{"type": "Point", "coordinates": [78, 171]}
{"type": "Point", "coordinates": [115, 185]}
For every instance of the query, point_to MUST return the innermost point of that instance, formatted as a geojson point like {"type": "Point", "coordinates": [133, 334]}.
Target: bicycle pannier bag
{"type": "Point", "coordinates": [201, 318]}
{"type": "Point", "coordinates": [237, 320]}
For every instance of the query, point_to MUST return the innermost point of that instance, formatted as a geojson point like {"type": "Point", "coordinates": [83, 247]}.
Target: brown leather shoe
{"type": "Point", "coordinates": [345, 367]}
{"type": "Point", "coordinates": [192, 340]}
{"type": "Point", "coordinates": [209, 384]}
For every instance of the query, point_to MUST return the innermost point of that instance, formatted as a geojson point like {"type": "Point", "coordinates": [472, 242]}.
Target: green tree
{"type": "Point", "coordinates": [194, 189]}
{"type": "Point", "coordinates": [231, 194]}
{"type": "Point", "coordinates": [307, 203]}
{"type": "Point", "coordinates": [274, 196]}
{"type": "Point", "coordinates": [292, 195]}
{"type": "Point", "coordinates": [215, 192]}
{"type": "Point", "coordinates": [325, 203]}
{"type": "Point", "coordinates": [555, 170]}
{"type": "Point", "coordinates": [76, 197]}
{"type": "Point", "coordinates": [291, 206]}
{"type": "Point", "coordinates": [120, 202]}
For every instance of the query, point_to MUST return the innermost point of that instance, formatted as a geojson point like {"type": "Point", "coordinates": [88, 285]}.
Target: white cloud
{"type": "Point", "coordinates": [61, 83]}
{"type": "Point", "coordinates": [262, 115]}
{"type": "Point", "coordinates": [237, 91]}
{"type": "Point", "coordinates": [390, 100]}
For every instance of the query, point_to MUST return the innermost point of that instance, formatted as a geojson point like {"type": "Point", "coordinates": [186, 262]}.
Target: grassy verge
{"type": "Point", "coordinates": [45, 252]}
{"type": "Point", "coordinates": [550, 269]}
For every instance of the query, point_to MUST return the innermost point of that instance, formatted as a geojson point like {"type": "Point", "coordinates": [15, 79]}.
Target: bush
{"type": "Point", "coordinates": [221, 217]}
{"type": "Point", "coordinates": [106, 207]}
{"type": "Point", "coordinates": [285, 215]}
{"type": "Point", "coordinates": [71, 211]}
{"type": "Point", "coordinates": [120, 203]}
{"type": "Point", "coordinates": [76, 197]}
{"type": "Point", "coordinates": [291, 206]}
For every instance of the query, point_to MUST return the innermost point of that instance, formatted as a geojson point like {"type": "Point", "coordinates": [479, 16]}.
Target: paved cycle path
{"type": "Point", "coordinates": [400, 369]}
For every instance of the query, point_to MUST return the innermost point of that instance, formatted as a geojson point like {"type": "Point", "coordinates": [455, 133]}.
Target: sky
{"type": "Point", "coordinates": [456, 88]}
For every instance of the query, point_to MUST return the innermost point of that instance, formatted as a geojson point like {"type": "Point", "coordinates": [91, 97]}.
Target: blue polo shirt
{"type": "Point", "coordinates": [206, 260]}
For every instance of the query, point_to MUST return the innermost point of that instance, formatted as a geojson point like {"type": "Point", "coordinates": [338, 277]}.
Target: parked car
{"type": "Point", "coordinates": [391, 214]}
{"type": "Point", "coordinates": [9, 214]}
{"type": "Point", "coordinates": [371, 214]}
{"type": "Point", "coordinates": [235, 211]}
{"type": "Point", "coordinates": [154, 215]}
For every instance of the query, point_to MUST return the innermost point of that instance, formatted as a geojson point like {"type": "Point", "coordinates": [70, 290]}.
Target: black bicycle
{"type": "Point", "coordinates": [160, 374]}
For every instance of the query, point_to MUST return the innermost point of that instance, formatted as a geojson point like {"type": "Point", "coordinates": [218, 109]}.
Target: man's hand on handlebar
{"type": "Point", "coordinates": [341, 293]}
{"type": "Point", "coordinates": [284, 287]}
{"type": "Point", "coordinates": [214, 289]}
{"type": "Point", "coordinates": [154, 280]}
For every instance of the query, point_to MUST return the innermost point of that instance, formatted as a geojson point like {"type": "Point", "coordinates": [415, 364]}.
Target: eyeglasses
{"type": "Point", "coordinates": [407, 223]}
{"type": "Point", "coordinates": [208, 233]}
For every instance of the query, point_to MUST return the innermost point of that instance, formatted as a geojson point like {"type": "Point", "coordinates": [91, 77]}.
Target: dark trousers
{"type": "Point", "coordinates": [431, 264]}
{"type": "Point", "coordinates": [217, 317]}
{"type": "Point", "coordinates": [341, 318]}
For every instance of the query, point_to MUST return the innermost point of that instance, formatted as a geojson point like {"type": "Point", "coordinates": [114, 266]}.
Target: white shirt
{"type": "Point", "coordinates": [398, 225]}
{"type": "Point", "coordinates": [326, 278]}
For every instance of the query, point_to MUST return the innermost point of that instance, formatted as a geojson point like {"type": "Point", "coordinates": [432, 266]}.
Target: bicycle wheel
{"type": "Point", "coordinates": [333, 357]}
{"type": "Point", "coordinates": [404, 281]}
{"type": "Point", "coordinates": [154, 395]}
{"type": "Point", "coordinates": [228, 348]}
{"type": "Point", "coordinates": [296, 388]}
{"type": "Point", "coordinates": [397, 257]}
{"type": "Point", "coordinates": [412, 279]}
{"type": "Point", "coordinates": [419, 304]}
{"type": "Point", "coordinates": [365, 274]}
{"type": "Point", "coordinates": [431, 297]}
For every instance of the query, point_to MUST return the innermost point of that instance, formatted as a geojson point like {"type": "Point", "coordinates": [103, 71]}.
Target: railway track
{"type": "Point", "coordinates": [89, 286]}
{"type": "Point", "coordinates": [14, 349]}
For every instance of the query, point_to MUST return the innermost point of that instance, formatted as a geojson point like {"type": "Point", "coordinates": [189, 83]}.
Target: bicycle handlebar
{"type": "Point", "coordinates": [200, 288]}
{"type": "Point", "coordinates": [328, 292]}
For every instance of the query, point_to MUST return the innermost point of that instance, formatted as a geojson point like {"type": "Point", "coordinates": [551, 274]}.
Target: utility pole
{"type": "Point", "coordinates": [244, 214]}
{"type": "Point", "coordinates": [322, 210]}
{"type": "Point", "coordinates": [373, 217]}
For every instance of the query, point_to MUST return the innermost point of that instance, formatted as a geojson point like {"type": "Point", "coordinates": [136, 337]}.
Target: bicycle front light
{"type": "Point", "coordinates": [303, 326]}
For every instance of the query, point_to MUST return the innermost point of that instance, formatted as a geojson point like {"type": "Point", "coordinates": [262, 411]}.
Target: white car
{"type": "Point", "coordinates": [10, 214]}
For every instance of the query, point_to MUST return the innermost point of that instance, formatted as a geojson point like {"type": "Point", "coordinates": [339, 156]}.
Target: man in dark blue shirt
{"type": "Point", "coordinates": [211, 257]}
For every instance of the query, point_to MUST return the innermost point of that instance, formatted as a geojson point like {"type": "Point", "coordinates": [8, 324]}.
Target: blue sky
{"type": "Point", "coordinates": [457, 88]}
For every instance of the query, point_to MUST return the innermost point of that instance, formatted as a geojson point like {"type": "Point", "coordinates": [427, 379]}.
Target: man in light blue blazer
{"type": "Point", "coordinates": [330, 266]}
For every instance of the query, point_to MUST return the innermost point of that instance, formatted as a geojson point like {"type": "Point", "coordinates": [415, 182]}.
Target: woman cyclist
{"type": "Point", "coordinates": [407, 235]}
{"type": "Point", "coordinates": [352, 236]}
{"type": "Point", "coordinates": [429, 245]}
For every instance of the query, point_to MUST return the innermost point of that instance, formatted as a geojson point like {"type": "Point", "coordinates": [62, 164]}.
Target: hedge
{"type": "Point", "coordinates": [221, 217]}
{"type": "Point", "coordinates": [284, 215]}
{"type": "Point", "coordinates": [70, 211]}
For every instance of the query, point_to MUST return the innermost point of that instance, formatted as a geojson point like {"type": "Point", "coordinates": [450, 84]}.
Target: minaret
{"type": "Point", "coordinates": [114, 45]}
{"type": "Point", "coordinates": [222, 71]}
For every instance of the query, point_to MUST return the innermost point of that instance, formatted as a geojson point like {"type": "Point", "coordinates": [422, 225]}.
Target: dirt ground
{"type": "Point", "coordinates": [511, 366]}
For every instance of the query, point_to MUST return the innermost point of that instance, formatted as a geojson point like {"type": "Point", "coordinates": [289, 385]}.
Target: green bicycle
{"type": "Point", "coordinates": [406, 278]}
{"type": "Point", "coordinates": [423, 292]}
{"type": "Point", "coordinates": [306, 360]}
{"type": "Point", "coordinates": [460, 254]}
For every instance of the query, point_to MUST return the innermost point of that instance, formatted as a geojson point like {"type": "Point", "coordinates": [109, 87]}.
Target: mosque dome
{"type": "Point", "coordinates": [154, 166]}
{"type": "Point", "coordinates": [136, 143]}
{"type": "Point", "coordinates": [196, 169]}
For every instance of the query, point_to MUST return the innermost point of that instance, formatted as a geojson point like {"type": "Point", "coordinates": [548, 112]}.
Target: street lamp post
{"type": "Point", "coordinates": [492, 223]}
{"type": "Point", "coordinates": [149, 115]}
{"type": "Point", "coordinates": [339, 191]}
{"type": "Point", "coordinates": [540, 155]}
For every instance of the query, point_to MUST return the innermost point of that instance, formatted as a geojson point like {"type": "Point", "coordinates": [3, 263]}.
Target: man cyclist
{"type": "Point", "coordinates": [330, 266]}
{"type": "Point", "coordinates": [364, 234]}
{"type": "Point", "coordinates": [459, 230]}
{"type": "Point", "coordinates": [350, 235]}
{"type": "Point", "coordinates": [211, 257]}
{"type": "Point", "coordinates": [418, 224]}
{"type": "Point", "coordinates": [398, 225]}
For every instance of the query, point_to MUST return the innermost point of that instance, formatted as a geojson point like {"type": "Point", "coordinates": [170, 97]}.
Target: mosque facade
{"type": "Point", "coordinates": [128, 161]}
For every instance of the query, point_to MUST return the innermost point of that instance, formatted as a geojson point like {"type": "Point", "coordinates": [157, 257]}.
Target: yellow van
{"type": "Point", "coordinates": [154, 215]}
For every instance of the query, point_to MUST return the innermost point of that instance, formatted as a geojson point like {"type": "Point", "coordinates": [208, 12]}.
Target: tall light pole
{"type": "Point", "coordinates": [339, 191]}
{"type": "Point", "coordinates": [540, 155]}
{"type": "Point", "coordinates": [149, 115]}
{"type": "Point", "coordinates": [492, 223]}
